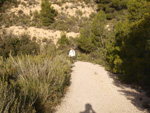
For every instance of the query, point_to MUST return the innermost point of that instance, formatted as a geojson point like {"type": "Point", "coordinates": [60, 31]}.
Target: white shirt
{"type": "Point", "coordinates": [72, 53]}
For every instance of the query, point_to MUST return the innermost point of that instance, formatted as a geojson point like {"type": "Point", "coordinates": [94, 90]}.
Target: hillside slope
{"type": "Point", "coordinates": [25, 18]}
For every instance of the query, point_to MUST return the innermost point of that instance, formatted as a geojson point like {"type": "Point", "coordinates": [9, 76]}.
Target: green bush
{"type": "Point", "coordinates": [12, 19]}
{"type": "Point", "coordinates": [112, 6]}
{"type": "Point", "coordinates": [79, 12]}
{"type": "Point", "coordinates": [98, 29]}
{"type": "Point", "coordinates": [102, 6]}
{"type": "Point", "coordinates": [36, 21]}
{"type": "Point", "coordinates": [83, 57]}
{"type": "Point", "coordinates": [63, 40]}
{"type": "Point", "coordinates": [119, 5]}
{"type": "Point", "coordinates": [5, 4]}
{"type": "Point", "coordinates": [64, 23]}
{"type": "Point", "coordinates": [135, 51]}
{"type": "Point", "coordinates": [137, 9]}
{"type": "Point", "coordinates": [48, 48]}
{"type": "Point", "coordinates": [109, 10]}
{"type": "Point", "coordinates": [65, 43]}
{"type": "Point", "coordinates": [85, 42]}
{"type": "Point", "coordinates": [15, 45]}
{"type": "Point", "coordinates": [33, 84]}
{"type": "Point", "coordinates": [103, 1]}
{"type": "Point", "coordinates": [109, 16]}
{"type": "Point", "coordinates": [98, 56]}
{"type": "Point", "coordinates": [47, 13]}
{"type": "Point", "coordinates": [92, 37]}
{"type": "Point", "coordinates": [130, 55]}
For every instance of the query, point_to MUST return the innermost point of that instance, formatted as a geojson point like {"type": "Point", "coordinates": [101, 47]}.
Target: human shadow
{"type": "Point", "coordinates": [88, 109]}
{"type": "Point", "coordinates": [137, 96]}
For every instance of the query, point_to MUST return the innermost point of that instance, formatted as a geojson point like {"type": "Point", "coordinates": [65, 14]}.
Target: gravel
{"type": "Point", "coordinates": [92, 90]}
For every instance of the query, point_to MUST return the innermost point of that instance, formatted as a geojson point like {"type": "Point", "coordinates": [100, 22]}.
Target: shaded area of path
{"type": "Point", "coordinates": [92, 90]}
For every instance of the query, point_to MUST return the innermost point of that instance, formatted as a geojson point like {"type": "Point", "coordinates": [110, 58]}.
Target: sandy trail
{"type": "Point", "coordinates": [92, 90]}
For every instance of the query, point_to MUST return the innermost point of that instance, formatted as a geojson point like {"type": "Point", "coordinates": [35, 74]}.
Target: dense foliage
{"type": "Point", "coordinates": [33, 84]}
{"type": "Point", "coordinates": [111, 7]}
{"type": "Point", "coordinates": [33, 79]}
{"type": "Point", "coordinates": [3, 1]}
{"type": "Point", "coordinates": [137, 9]}
{"type": "Point", "coordinates": [124, 49]}
{"type": "Point", "coordinates": [18, 45]}
{"type": "Point", "coordinates": [63, 40]}
{"type": "Point", "coordinates": [129, 52]}
{"type": "Point", "coordinates": [5, 4]}
{"type": "Point", "coordinates": [47, 13]}
{"type": "Point", "coordinates": [32, 76]}
{"type": "Point", "coordinates": [92, 37]}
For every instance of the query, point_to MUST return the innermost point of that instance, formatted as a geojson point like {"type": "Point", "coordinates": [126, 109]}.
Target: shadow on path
{"type": "Point", "coordinates": [138, 97]}
{"type": "Point", "coordinates": [88, 109]}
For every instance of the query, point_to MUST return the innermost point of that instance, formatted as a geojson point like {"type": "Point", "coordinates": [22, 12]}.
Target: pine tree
{"type": "Point", "coordinates": [137, 9]}
{"type": "Point", "coordinates": [48, 13]}
{"type": "Point", "coordinates": [98, 29]}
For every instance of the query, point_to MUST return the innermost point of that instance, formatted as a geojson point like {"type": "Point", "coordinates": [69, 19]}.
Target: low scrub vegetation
{"type": "Point", "coordinates": [112, 6]}
{"type": "Point", "coordinates": [65, 43]}
{"type": "Point", "coordinates": [40, 19]}
{"type": "Point", "coordinates": [12, 19]}
{"type": "Point", "coordinates": [17, 45]}
{"type": "Point", "coordinates": [31, 79]}
{"type": "Point", "coordinates": [69, 24]}
{"type": "Point", "coordinates": [92, 36]}
{"type": "Point", "coordinates": [130, 54]}
{"type": "Point", "coordinates": [33, 83]}
{"type": "Point", "coordinates": [123, 50]}
{"type": "Point", "coordinates": [5, 4]}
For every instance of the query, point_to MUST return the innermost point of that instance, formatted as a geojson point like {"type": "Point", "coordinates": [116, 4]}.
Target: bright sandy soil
{"type": "Point", "coordinates": [68, 8]}
{"type": "Point", "coordinates": [93, 89]}
{"type": "Point", "coordinates": [39, 33]}
{"type": "Point", "coordinates": [71, 9]}
{"type": "Point", "coordinates": [26, 9]}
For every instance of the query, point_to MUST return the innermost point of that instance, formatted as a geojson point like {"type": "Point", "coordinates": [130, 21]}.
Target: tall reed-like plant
{"type": "Point", "coordinates": [33, 83]}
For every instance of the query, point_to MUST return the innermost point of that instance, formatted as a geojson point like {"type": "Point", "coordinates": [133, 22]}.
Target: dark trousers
{"type": "Point", "coordinates": [72, 59]}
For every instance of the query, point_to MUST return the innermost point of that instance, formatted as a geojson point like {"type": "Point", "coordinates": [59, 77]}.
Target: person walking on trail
{"type": "Point", "coordinates": [72, 54]}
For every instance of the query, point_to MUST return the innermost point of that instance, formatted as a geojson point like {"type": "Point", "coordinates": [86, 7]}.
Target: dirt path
{"type": "Point", "coordinates": [92, 89]}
